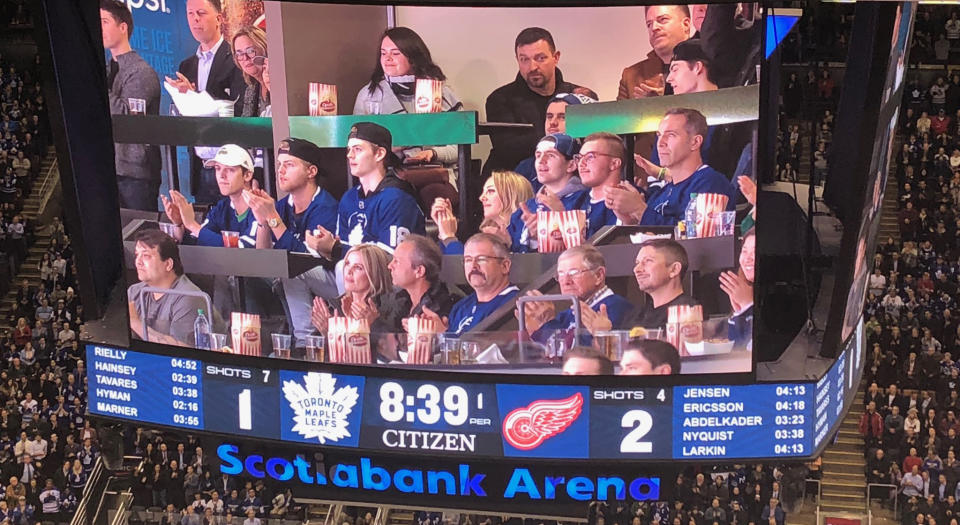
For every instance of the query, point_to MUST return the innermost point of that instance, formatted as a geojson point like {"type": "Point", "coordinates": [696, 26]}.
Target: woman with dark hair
{"type": "Point", "coordinates": [739, 288]}
{"type": "Point", "coordinates": [402, 59]}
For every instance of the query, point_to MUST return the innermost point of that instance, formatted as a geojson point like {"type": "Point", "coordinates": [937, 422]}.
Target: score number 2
{"type": "Point", "coordinates": [641, 422]}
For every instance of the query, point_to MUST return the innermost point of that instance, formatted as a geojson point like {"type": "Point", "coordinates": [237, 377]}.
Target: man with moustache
{"type": "Point", "coordinates": [486, 263]}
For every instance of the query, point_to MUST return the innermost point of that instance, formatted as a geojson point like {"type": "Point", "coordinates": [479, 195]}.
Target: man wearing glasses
{"type": "Point", "coordinates": [599, 163]}
{"type": "Point", "coordinates": [560, 189]}
{"type": "Point", "coordinates": [581, 272]}
{"type": "Point", "coordinates": [486, 263]}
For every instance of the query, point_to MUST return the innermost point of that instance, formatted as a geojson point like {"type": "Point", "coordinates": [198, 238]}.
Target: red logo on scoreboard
{"type": "Point", "coordinates": [526, 428]}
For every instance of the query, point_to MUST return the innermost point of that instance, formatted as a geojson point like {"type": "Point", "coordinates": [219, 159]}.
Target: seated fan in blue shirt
{"type": "Point", "coordinates": [234, 172]}
{"type": "Point", "coordinates": [382, 209]}
{"type": "Point", "coordinates": [679, 141]}
{"type": "Point", "coordinates": [286, 224]}
{"type": "Point", "coordinates": [581, 272]}
{"type": "Point", "coordinates": [486, 263]}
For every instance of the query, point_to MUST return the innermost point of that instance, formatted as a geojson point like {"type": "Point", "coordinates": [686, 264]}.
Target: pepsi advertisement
{"type": "Point", "coordinates": [501, 486]}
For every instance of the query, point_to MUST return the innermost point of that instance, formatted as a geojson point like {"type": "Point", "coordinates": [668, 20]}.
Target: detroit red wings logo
{"type": "Point", "coordinates": [526, 428]}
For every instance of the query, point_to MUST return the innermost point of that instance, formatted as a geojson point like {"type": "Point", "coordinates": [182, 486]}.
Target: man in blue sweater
{"type": "Point", "coordinates": [560, 189]}
{"type": "Point", "coordinates": [286, 224]}
{"type": "Point", "coordinates": [581, 272]}
{"type": "Point", "coordinates": [382, 209]}
{"type": "Point", "coordinates": [679, 141]}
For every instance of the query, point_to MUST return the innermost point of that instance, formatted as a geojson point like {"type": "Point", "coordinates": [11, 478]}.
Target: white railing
{"type": "Point", "coordinates": [48, 184]}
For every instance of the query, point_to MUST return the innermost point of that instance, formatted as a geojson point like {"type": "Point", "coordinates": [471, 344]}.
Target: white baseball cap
{"type": "Point", "coordinates": [231, 155]}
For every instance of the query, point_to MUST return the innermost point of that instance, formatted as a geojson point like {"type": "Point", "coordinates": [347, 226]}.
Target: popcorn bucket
{"type": "Point", "coordinates": [710, 207]}
{"type": "Point", "coordinates": [684, 325]}
{"type": "Point", "coordinates": [574, 227]}
{"type": "Point", "coordinates": [421, 335]}
{"type": "Point", "coordinates": [245, 333]}
{"type": "Point", "coordinates": [349, 340]}
{"type": "Point", "coordinates": [429, 95]}
{"type": "Point", "coordinates": [550, 229]}
{"type": "Point", "coordinates": [323, 99]}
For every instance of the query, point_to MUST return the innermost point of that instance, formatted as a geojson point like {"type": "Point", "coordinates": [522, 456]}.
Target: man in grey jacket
{"type": "Point", "coordinates": [133, 88]}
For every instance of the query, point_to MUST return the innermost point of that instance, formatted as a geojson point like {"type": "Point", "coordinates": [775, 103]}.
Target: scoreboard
{"type": "Point", "coordinates": [389, 411]}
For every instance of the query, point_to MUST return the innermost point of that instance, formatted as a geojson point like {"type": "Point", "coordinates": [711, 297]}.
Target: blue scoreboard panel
{"type": "Point", "coordinates": [496, 419]}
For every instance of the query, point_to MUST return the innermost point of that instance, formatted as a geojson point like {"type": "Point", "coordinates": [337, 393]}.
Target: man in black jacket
{"type": "Point", "coordinates": [210, 69]}
{"type": "Point", "coordinates": [525, 99]}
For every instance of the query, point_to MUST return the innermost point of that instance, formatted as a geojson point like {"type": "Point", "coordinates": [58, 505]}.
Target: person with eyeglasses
{"type": "Point", "coordinates": [129, 76]}
{"type": "Point", "coordinates": [249, 54]}
{"type": "Point", "coordinates": [680, 137]}
{"type": "Point", "coordinates": [560, 189]}
{"type": "Point", "coordinates": [599, 164]}
{"type": "Point", "coordinates": [581, 272]}
{"type": "Point", "coordinates": [486, 263]}
{"type": "Point", "coordinates": [556, 122]}
{"type": "Point", "coordinates": [525, 99]}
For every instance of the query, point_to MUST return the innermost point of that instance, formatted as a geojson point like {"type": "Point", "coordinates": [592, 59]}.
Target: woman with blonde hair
{"type": "Point", "coordinates": [367, 292]}
{"type": "Point", "coordinates": [249, 46]}
{"type": "Point", "coordinates": [502, 194]}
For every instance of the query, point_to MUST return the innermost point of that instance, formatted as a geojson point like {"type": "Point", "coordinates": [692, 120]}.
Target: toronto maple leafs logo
{"type": "Point", "coordinates": [526, 428]}
{"type": "Point", "coordinates": [320, 409]}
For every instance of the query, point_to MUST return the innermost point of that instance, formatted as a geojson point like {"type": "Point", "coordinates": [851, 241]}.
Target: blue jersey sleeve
{"type": "Point", "coordinates": [452, 248]}
{"type": "Point", "coordinates": [214, 223]}
{"type": "Point", "coordinates": [517, 230]}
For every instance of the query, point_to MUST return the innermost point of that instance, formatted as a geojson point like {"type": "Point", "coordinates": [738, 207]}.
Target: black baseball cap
{"type": "Point", "coordinates": [302, 149]}
{"type": "Point", "coordinates": [378, 136]}
{"type": "Point", "coordinates": [690, 51]}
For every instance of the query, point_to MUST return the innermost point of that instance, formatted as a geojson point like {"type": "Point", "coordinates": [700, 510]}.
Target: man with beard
{"type": "Point", "coordinates": [525, 99]}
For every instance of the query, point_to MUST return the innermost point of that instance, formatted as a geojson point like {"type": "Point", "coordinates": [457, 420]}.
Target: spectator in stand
{"type": "Point", "coordinates": [526, 98]}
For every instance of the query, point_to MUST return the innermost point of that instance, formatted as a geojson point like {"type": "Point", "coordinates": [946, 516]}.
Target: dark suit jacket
{"type": "Point", "coordinates": [222, 81]}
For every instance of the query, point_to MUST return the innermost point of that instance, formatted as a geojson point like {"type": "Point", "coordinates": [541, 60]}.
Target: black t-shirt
{"type": "Point", "coordinates": [650, 317]}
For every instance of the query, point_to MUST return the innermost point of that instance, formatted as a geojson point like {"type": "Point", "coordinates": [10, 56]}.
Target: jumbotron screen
{"type": "Point", "coordinates": [470, 189]}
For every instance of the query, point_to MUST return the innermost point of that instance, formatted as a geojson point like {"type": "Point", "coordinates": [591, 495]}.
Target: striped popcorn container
{"type": "Point", "coordinates": [684, 324]}
{"type": "Point", "coordinates": [349, 340]}
{"type": "Point", "coordinates": [245, 333]}
{"type": "Point", "coordinates": [710, 207]}
{"type": "Point", "coordinates": [550, 229]}
{"type": "Point", "coordinates": [421, 336]}
{"type": "Point", "coordinates": [574, 227]}
{"type": "Point", "coordinates": [428, 97]}
{"type": "Point", "coordinates": [323, 99]}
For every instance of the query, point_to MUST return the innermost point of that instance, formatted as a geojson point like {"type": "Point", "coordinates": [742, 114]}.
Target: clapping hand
{"type": "Point", "coordinates": [442, 214]}
{"type": "Point", "coordinates": [529, 218]}
{"type": "Point", "coordinates": [261, 204]}
{"type": "Point", "coordinates": [321, 241]}
{"type": "Point", "coordinates": [595, 321]}
{"type": "Point", "coordinates": [738, 289]}
{"type": "Point", "coordinates": [320, 315]}
{"type": "Point", "coordinates": [536, 313]}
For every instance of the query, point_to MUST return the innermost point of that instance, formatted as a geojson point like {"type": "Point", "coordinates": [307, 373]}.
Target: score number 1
{"type": "Point", "coordinates": [245, 405]}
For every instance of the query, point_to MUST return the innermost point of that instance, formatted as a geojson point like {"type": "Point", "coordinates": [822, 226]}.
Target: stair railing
{"type": "Point", "coordinates": [819, 483]}
{"type": "Point", "coordinates": [889, 486]}
{"type": "Point", "coordinates": [47, 185]}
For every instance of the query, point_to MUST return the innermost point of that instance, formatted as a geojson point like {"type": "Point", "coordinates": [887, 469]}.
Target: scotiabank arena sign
{"type": "Point", "coordinates": [431, 481]}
